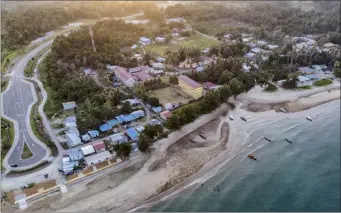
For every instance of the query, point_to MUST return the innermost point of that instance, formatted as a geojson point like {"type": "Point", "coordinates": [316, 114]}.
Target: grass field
{"type": "Point", "coordinates": [323, 82]}
{"type": "Point", "coordinates": [193, 41]}
{"type": "Point", "coordinates": [7, 137]}
{"type": "Point", "coordinates": [170, 94]}
{"type": "Point", "coordinates": [26, 152]}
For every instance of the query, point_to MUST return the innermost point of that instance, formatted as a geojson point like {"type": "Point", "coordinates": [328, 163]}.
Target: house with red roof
{"type": "Point", "coordinates": [165, 114]}
{"type": "Point", "coordinates": [127, 78]}
{"type": "Point", "coordinates": [143, 76]}
{"type": "Point", "coordinates": [99, 146]}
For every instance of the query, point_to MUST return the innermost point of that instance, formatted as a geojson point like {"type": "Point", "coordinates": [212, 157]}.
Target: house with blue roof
{"type": "Point", "coordinates": [122, 119]}
{"type": "Point", "coordinates": [306, 70]}
{"type": "Point", "coordinates": [157, 109]}
{"type": "Point", "coordinates": [112, 122]}
{"type": "Point", "coordinates": [93, 133]}
{"type": "Point", "coordinates": [86, 137]}
{"type": "Point", "coordinates": [132, 134]}
{"type": "Point", "coordinates": [138, 114]}
{"type": "Point", "coordinates": [75, 154]}
{"type": "Point", "coordinates": [105, 127]}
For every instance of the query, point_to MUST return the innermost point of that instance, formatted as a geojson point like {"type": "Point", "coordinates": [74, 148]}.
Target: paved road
{"type": "Point", "coordinates": [16, 105]}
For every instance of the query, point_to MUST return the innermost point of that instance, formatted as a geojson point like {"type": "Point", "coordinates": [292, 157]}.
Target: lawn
{"type": "Point", "coordinates": [323, 82]}
{"type": "Point", "coordinates": [26, 152]}
{"type": "Point", "coordinates": [170, 94]}
{"type": "Point", "coordinates": [305, 87]}
{"type": "Point", "coordinates": [193, 41]}
{"type": "Point", "coordinates": [7, 137]}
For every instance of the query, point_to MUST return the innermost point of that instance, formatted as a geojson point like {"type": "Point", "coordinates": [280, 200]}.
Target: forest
{"type": "Point", "coordinates": [280, 18]}
{"type": "Point", "coordinates": [24, 24]}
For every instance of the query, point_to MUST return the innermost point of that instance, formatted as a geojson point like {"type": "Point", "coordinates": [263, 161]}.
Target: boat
{"type": "Point", "coordinates": [231, 117]}
{"type": "Point", "coordinates": [288, 140]}
{"type": "Point", "coordinates": [267, 139]}
{"type": "Point", "coordinates": [252, 157]}
{"type": "Point", "coordinates": [244, 119]}
{"type": "Point", "coordinates": [282, 109]}
{"type": "Point", "coordinates": [309, 118]}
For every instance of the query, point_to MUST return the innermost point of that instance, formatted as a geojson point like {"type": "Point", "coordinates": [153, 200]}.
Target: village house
{"type": "Point", "coordinates": [210, 86]}
{"type": "Point", "coordinates": [72, 139]}
{"type": "Point", "coordinates": [143, 76]}
{"type": "Point", "coordinates": [87, 71]}
{"type": "Point", "coordinates": [304, 81]}
{"type": "Point", "coordinates": [88, 150]}
{"type": "Point", "coordinates": [154, 122]}
{"type": "Point", "coordinates": [145, 41]}
{"type": "Point", "coordinates": [118, 138]}
{"type": "Point", "coordinates": [124, 76]}
{"type": "Point", "coordinates": [99, 146]}
{"type": "Point", "coordinates": [139, 69]}
{"type": "Point", "coordinates": [171, 106]}
{"type": "Point", "coordinates": [165, 114]}
{"type": "Point", "coordinates": [75, 154]}
{"type": "Point", "coordinates": [160, 39]}
{"type": "Point", "coordinates": [133, 102]}
{"type": "Point", "coordinates": [98, 158]}
{"type": "Point", "coordinates": [68, 165]}
{"type": "Point", "coordinates": [158, 66]}
{"type": "Point", "coordinates": [132, 134]}
{"type": "Point", "coordinates": [86, 138]}
{"type": "Point", "coordinates": [69, 105]}
{"type": "Point", "coordinates": [191, 87]}
{"type": "Point", "coordinates": [157, 109]}
{"type": "Point", "coordinates": [138, 114]}
{"type": "Point", "coordinates": [179, 19]}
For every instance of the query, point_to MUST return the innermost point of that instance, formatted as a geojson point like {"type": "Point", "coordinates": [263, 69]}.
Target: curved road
{"type": "Point", "coordinates": [17, 102]}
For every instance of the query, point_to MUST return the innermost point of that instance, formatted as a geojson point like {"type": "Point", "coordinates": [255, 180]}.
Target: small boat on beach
{"type": "Point", "coordinates": [288, 140]}
{"type": "Point", "coordinates": [282, 109]}
{"type": "Point", "coordinates": [309, 118]}
{"type": "Point", "coordinates": [267, 139]}
{"type": "Point", "coordinates": [252, 157]}
{"type": "Point", "coordinates": [241, 117]}
{"type": "Point", "coordinates": [231, 117]}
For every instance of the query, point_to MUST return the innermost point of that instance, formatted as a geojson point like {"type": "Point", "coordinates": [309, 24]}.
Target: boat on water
{"type": "Point", "coordinates": [282, 109]}
{"type": "Point", "coordinates": [267, 139]}
{"type": "Point", "coordinates": [309, 118]}
{"type": "Point", "coordinates": [244, 119]}
{"type": "Point", "coordinates": [231, 117]}
{"type": "Point", "coordinates": [288, 140]}
{"type": "Point", "coordinates": [252, 157]}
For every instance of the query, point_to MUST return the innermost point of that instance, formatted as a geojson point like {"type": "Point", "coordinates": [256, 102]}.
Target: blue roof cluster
{"type": "Point", "coordinates": [105, 127]}
{"type": "Point", "coordinates": [125, 118]}
{"type": "Point", "coordinates": [157, 109]}
{"type": "Point", "coordinates": [133, 134]}
{"type": "Point", "coordinates": [93, 133]}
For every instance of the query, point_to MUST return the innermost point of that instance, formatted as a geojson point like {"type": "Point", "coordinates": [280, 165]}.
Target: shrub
{"type": "Point", "coordinates": [271, 87]}
{"type": "Point", "coordinates": [323, 82]}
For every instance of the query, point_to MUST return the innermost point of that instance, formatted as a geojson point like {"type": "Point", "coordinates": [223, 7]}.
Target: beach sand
{"type": "Point", "coordinates": [194, 163]}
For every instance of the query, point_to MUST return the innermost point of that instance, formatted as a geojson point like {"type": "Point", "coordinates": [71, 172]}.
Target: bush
{"type": "Point", "coordinates": [323, 82]}
{"type": "Point", "coordinates": [271, 88]}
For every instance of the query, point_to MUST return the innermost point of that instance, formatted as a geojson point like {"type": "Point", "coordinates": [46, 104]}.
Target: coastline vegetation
{"type": "Point", "coordinates": [7, 137]}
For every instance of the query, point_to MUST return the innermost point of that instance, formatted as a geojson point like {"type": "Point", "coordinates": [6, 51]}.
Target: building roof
{"type": "Point", "coordinates": [154, 122]}
{"type": "Point", "coordinates": [99, 157]}
{"type": "Point", "coordinates": [157, 109]}
{"type": "Point", "coordinates": [256, 50]}
{"type": "Point", "coordinates": [199, 69]}
{"type": "Point", "coordinates": [160, 59]}
{"type": "Point", "coordinates": [302, 78]}
{"type": "Point", "coordinates": [89, 149]}
{"type": "Point", "coordinates": [250, 55]}
{"type": "Point", "coordinates": [93, 133]}
{"type": "Point", "coordinates": [209, 85]}
{"type": "Point", "coordinates": [112, 122]}
{"type": "Point", "coordinates": [132, 133]}
{"type": "Point", "coordinates": [69, 105]}
{"type": "Point", "coordinates": [87, 71]}
{"type": "Point", "coordinates": [75, 153]}
{"type": "Point", "coordinates": [143, 76]}
{"type": "Point", "coordinates": [132, 101]}
{"type": "Point", "coordinates": [98, 145]}
{"type": "Point", "coordinates": [122, 73]}
{"type": "Point", "coordinates": [189, 81]}
{"type": "Point", "coordinates": [118, 137]}
{"type": "Point", "coordinates": [311, 77]}
{"type": "Point", "coordinates": [105, 127]}
{"type": "Point", "coordinates": [306, 69]}
{"type": "Point", "coordinates": [138, 114]}
{"type": "Point", "coordinates": [144, 39]}
{"type": "Point", "coordinates": [70, 119]}
{"type": "Point", "coordinates": [125, 118]}
{"type": "Point", "coordinates": [166, 114]}
{"type": "Point", "coordinates": [138, 69]}
{"type": "Point", "coordinates": [73, 137]}
{"type": "Point", "coordinates": [139, 129]}
{"type": "Point", "coordinates": [86, 137]}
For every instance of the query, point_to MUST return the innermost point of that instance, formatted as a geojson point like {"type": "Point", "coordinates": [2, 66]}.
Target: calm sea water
{"type": "Point", "coordinates": [303, 176]}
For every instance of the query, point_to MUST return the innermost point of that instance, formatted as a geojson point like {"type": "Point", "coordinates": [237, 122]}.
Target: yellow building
{"type": "Point", "coordinates": [190, 86]}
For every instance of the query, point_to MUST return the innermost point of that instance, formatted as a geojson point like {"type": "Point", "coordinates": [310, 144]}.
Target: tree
{"type": "Point", "coordinates": [153, 101]}
{"type": "Point", "coordinates": [123, 149]}
{"type": "Point", "coordinates": [173, 80]}
{"type": "Point", "coordinates": [173, 122]}
{"type": "Point", "coordinates": [337, 70]}
{"type": "Point", "coordinates": [143, 143]}
{"type": "Point", "coordinates": [126, 107]}
{"type": "Point", "coordinates": [235, 86]}
{"type": "Point", "coordinates": [227, 52]}
{"type": "Point", "coordinates": [146, 59]}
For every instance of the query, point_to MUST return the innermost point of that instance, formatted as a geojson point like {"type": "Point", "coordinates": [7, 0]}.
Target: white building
{"type": "Point", "coordinates": [88, 150]}
{"type": "Point", "coordinates": [304, 81]}
{"type": "Point", "coordinates": [160, 39]}
{"type": "Point", "coordinates": [145, 41]}
{"type": "Point", "coordinates": [98, 158]}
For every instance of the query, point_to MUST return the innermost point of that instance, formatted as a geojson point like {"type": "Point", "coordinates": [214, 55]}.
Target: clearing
{"type": "Point", "coordinates": [170, 94]}
{"type": "Point", "coordinates": [193, 41]}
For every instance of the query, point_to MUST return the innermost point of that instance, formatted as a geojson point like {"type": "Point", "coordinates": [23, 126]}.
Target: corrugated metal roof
{"type": "Point", "coordinates": [132, 133]}
{"type": "Point", "coordinates": [122, 73]}
{"type": "Point", "coordinates": [189, 81]}
{"type": "Point", "coordinates": [105, 127]}
{"type": "Point", "coordinates": [143, 76]}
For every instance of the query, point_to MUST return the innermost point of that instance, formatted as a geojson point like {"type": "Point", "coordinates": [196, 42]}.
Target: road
{"type": "Point", "coordinates": [17, 101]}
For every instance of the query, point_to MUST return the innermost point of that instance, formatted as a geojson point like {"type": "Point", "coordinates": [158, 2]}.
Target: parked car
{"type": "Point", "coordinates": [14, 165]}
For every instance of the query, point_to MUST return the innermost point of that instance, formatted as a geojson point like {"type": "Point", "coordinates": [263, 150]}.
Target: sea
{"type": "Point", "coordinates": [302, 176]}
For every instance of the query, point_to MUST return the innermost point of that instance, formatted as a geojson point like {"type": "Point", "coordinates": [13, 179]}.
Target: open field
{"type": "Point", "coordinates": [193, 41]}
{"type": "Point", "coordinates": [170, 94]}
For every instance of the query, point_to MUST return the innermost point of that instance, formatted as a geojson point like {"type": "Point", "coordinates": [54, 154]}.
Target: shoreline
{"type": "Point", "coordinates": [140, 191]}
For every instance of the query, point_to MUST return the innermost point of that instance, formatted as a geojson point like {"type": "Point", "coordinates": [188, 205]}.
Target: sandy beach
{"type": "Point", "coordinates": [184, 158]}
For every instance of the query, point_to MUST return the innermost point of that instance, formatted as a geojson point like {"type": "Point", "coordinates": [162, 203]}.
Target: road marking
{"type": "Point", "coordinates": [32, 144]}
{"type": "Point", "coordinates": [18, 147]}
